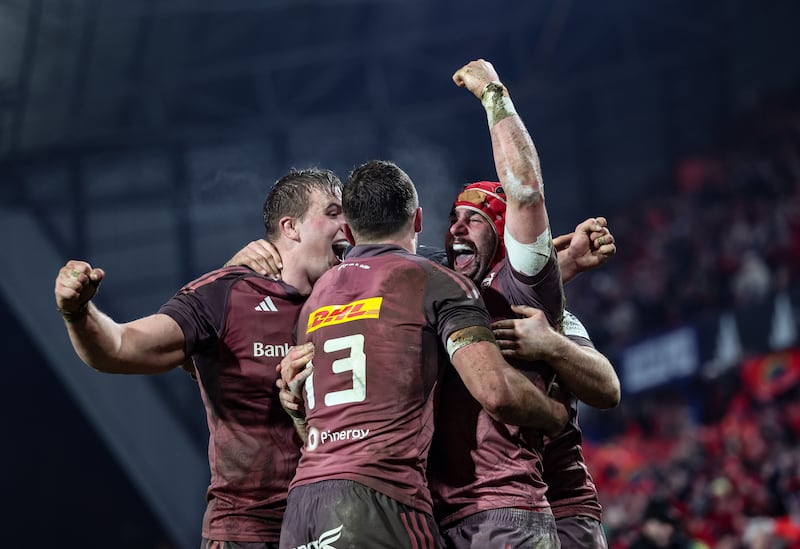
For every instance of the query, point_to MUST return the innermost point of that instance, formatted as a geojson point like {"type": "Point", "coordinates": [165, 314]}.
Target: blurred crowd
{"type": "Point", "coordinates": [725, 231]}
{"type": "Point", "coordinates": [673, 480]}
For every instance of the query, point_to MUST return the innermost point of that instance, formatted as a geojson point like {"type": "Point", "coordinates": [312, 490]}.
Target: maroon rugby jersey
{"type": "Point", "coordinates": [238, 325]}
{"type": "Point", "coordinates": [379, 322]}
{"type": "Point", "coordinates": [476, 462]}
{"type": "Point", "coordinates": [571, 489]}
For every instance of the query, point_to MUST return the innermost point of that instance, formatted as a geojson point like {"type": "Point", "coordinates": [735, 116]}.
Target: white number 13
{"type": "Point", "coordinates": [355, 362]}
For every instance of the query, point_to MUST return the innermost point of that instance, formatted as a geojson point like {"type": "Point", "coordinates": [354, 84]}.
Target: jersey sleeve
{"type": "Point", "coordinates": [575, 330]}
{"type": "Point", "coordinates": [199, 308]}
{"type": "Point", "coordinates": [454, 303]}
{"type": "Point", "coordinates": [544, 290]}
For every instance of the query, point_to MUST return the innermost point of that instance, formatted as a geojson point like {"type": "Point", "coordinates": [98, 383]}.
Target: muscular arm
{"type": "Point", "coordinates": [504, 392]}
{"type": "Point", "coordinates": [586, 372]}
{"type": "Point", "coordinates": [515, 156]}
{"type": "Point", "coordinates": [517, 165]}
{"type": "Point", "coordinates": [149, 345]}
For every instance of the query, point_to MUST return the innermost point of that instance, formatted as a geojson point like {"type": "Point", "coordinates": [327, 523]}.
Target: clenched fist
{"type": "Point", "coordinates": [76, 284]}
{"type": "Point", "coordinates": [475, 75]}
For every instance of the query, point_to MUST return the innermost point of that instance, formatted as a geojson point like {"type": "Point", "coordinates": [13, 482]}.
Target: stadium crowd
{"type": "Point", "coordinates": [725, 230]}
{"type": "Point", "coordinates": [730, 483]}
{"type": "Point", "coordinates": [714, 462]}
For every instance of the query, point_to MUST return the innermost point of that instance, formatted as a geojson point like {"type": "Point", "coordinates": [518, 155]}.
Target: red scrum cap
{"type": "Point", "coordinates": [488, 199]}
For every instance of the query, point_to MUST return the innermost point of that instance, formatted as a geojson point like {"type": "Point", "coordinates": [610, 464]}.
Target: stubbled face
{"type": "Point", "coordinates": [321, 233]}
{"type": "Point", "coordinates": [470, 243]}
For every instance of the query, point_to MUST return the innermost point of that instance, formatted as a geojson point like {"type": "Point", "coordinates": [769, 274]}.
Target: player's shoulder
{"type": "Point", "coordinates": [437, 255]}
{"type": "Point", "coordinates": [224, 276]}
{"type": "Point", "coordinates": [441, 275]}
{"type": "Point", "coordinates": [502, 276]}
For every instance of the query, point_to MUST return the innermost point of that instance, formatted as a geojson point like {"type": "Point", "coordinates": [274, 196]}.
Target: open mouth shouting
{"type": "Point", "coordinates": [340, 247]}
{"type": "Point", "coordinates": [463, 255]}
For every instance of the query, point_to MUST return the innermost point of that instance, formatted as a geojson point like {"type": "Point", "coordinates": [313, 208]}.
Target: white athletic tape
{"type": "Point", "coordinates": [528, 259]}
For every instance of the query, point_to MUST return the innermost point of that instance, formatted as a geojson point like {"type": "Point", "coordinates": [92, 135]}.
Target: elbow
{"type": "Point", "coordinates": [605, 390]}
{"type": "Point", "coordinates": [613, 394]}
{"type": "Point", "coordinates": [548, 415]}
{"type": "Point", "coordinates": [495, 406]}
{"type": "Point", "coordinates": [530, 196]}
{"type": "Point", "coordinates": [558, 422]}
{"type": "Point", "coordinates": [614, 398]}
{"type": "Point", "coordinates": [528, 192]}
{"type": "Point", "coordinates": [604, 402]}
{"type": "Point", "coordinates": [96, 363]}
{"type": "Point", "coordinates": [501, 406]}
{"type": "Point", "coordinates": [608, 398]}
{"type": "Point", "coordinates": [508, 413]}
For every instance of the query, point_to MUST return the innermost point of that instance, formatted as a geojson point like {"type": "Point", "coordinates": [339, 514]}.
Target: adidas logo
{"type": "Point", "coordinates": [266, 305]}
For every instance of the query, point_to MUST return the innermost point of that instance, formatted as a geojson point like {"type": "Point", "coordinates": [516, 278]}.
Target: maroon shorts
{"type": "Point", "coordinates": [503, 528]}
{"type": "Point", "coordinates": [213, 544]}
{"type": "Point", "coordinates": [581, 533]}
{"type": "Point", "coordinates": [345, 514]}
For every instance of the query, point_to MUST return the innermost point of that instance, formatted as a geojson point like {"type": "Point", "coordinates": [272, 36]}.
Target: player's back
{"type": "Point", "coordinates": [377, 322]}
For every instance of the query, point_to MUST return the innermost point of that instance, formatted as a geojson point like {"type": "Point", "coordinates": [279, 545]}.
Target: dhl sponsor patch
{"type": "Point", "coordinates": [339, 314]}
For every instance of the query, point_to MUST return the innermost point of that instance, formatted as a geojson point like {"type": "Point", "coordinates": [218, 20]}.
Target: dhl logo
{"type": "Point", "coordinates": [339, 314]}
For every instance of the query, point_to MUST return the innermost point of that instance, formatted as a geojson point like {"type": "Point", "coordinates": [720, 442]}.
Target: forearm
{"type": "Point", "coordinates": [517, 164]}
{"type": "Point", "coordinates": [291, 404]}
{"type": "Point", "coordinates": [96, 339]}
{"type": "Point", "coordinates": [517, 161]}
{"type": "Point", "coordinates": [528, 406]}
{"type": "Point", "coordinates": [586, 372]}
{"type": "Point", "coordinates": [515, 156]}
{"type": "Point", "coordinates": [301, 426]}
{"type": "Point", "coordinates": [131, 348]}
{"type": "Point", "coordinates": [568, 266]}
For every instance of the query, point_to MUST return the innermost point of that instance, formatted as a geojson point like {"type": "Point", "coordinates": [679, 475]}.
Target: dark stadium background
{"type": "Point", "coordinates": [142, 136]}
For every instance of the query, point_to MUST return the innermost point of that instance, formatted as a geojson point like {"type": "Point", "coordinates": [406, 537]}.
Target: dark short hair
{"type": "Point", "coordinates": [378, 200]}
{"type": "Point", "coordinates": [290, 194]}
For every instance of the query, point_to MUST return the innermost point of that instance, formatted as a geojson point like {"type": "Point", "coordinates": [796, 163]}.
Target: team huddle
{"type": "Point", "coordinates": [420, 403]}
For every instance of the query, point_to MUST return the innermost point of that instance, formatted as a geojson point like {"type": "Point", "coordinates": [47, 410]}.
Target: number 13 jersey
{"type": "Point", "coordinates": [379, 322]}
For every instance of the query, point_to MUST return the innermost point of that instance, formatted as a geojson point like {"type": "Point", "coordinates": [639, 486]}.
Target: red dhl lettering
{"type": "Point", "coordinates": [338, 314]}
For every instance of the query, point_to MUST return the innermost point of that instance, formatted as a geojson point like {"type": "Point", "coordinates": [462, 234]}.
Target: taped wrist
{"type": "Point", "coordinates": [297, 416]}
{"type": "Point", "coordinates": [498, 105]}
{"type": "Point", "coordinates": [75, 316]}
{"type": "Point", "coordinates": [528, 259]}
{"type": "Point", "coordinates": [468, 336]}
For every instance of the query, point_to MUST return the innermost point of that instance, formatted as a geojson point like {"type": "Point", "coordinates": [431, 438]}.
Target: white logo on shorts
{"type": "Point", "coordinates": [325, 540]}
